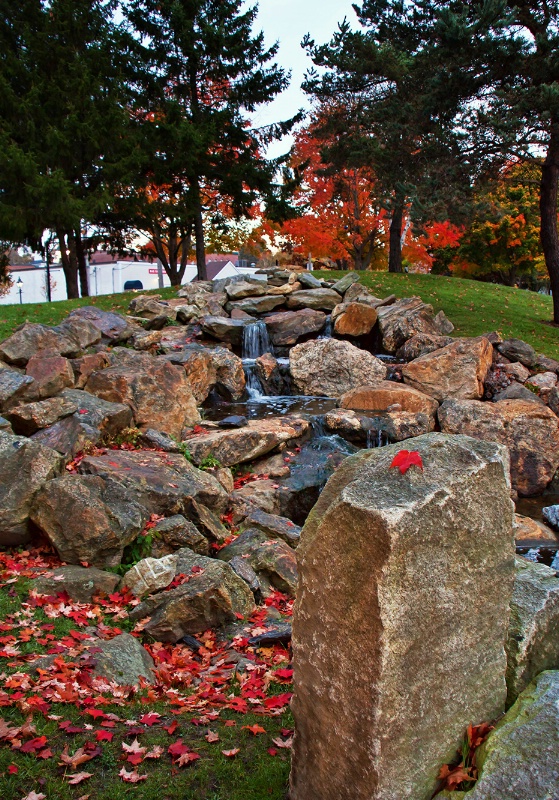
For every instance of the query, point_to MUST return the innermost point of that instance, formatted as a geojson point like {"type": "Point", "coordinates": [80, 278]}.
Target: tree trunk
{"type": "Point", "coordinates": [395, 252]}
{"type": "Point", "coordinates": [69, 267]}
{"type": "Point", "coordinates": [199, 234]}
{"type": "Point", "coordinates": [548, 212]}
{"type": "Point", "coordinates": [82, 265]}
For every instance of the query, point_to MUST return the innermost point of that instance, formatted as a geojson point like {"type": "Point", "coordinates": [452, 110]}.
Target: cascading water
{"type": "Point", "coordinates": [256, 342]}
{"type": "Point", "coordinates": [327, 332]}
{"type": "Point", "coordinates": [376, 439]}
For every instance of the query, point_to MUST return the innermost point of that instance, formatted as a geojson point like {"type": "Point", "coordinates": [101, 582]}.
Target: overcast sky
{"type": "Point", "coordinates": [288, 21]}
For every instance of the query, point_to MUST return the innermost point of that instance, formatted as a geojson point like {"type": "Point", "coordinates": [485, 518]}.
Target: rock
{"type": "Point", "coordinates": [344, 283]}
{"type": "Point", "coordinates": [199, 367]}
{"type": "Point", "coordinates": [150, 574]}
{"type": "Point", "coordinates": [241, 289]}
{"type": "Point", "coordinates": [108, 418]}
{"type": "Point", "coordinates": [112, 327]}
{"type": "Point", "coordinates": [354, 319]}
{"type": "Point", "coordinates": [88, 519]}
{"type": "Point", "coordinates": [533, 639]}
{"type": "Point", "coordinates": [273, 466]}
{"type": "Point", "coordinates": [397, 426]}
{"type": "Point", "coordinates": [234, 421]}
{"type": "Point", "coordinates": [32, 338]}
{"type": "Point", "coordinates": [528, 530]}
{"type": "Point", "coordinates": [287, 327]}
{"type": "Point", "coordinates": [122, 660]}
{"type": "Point", "coordinates": [552, 400]}
{"type": "Point", "coordinates": [224, 329]}
{"type": "Point", "coordinates": [159, 396]}
{"type": "Point", "coordinates": [517, 350]}
{"type": "Point", "coordinates": [83, 332]}
{"type": "Point", "coordinates": [5, 425]}
{"type": "Point", "coordinates": [517, 371]}
{"type": "Point", "coordinates": [230, 375]}
{"type": "Point", "coordinates": [319, 299]}
{"type": "Point", "coordinates": [273, 560]}
{"type": "Point", "coordinates": [417, 559]}
{"type": "Point", "coordinates": [30, 418]}
{"type": "Point", "coordinates": [261, 493]}
{"type": "Point", "coordinates": [161, 482]}
{"type": "Point", "coordinates": [349, 424]}
{"type": "Point", "coordinates": [515, 391]}
{"type": "Point", "coordinates": [519, 759]}
{"type": "Point", "coordinates": [257, 305]}
{"type": "Point", "coordinates": [236, 313]}
{"type": "Point", "coordinates": [444, 325]}
{"type": "Point", "coordinates": [273, 526]}
{"type": "Point", "coordinates": [15, 388]}
{"type": "Point", "coordinates": [544, 382]}
{"type": "Point", "coordinates": [360, 294]}
{"type": "Point", "coordinates": [25, 467]}
{"type": "Point", "coordinates": [332, 368]}
{"type": "Point", "coordinates": [225, 477]}
{"type": "Point", "coordinates": [551, 516]}
{"type": "Point", "coordinates": [146, 340]}
{"type": "Point", "coordinates": [151, 306]}
{"type": "Point", "coordinates": [213, 596]}
{"type": "Point", "coordinates": [456, 371]}
{"type": "Point", "coordinates": [405, 318]}
{"type": "Point", "coordinates": [269, 375]}
{"type": "Point", "coordinates": [243, 569]}
{"type": "Point", "coordinates": [81, 583]}
{"type": "Point", "coordinates": [68, 436]}
{"type": "Point", "coordinates": [86, 365]}
{"type": "Point", "coordinates": [176, 532]}
{"type": "Point", "coordinates": [208, 522]}
{"type": "Point", "coordinates": [160, 441]}
{"type": "Point", "coordinates": [385, 394]}
{"type": "Point", "coordinates": [530, 432]}
{"type": "Point", "coordinates": [421, 344]}
{"type": "Point", "coordinates": [545, 363]}
{"type": "Point", "coordinates": [308, 280]}
{"type": "Point", "coordinates": [239, 445]}
{"type": "Point", "coordinates": [51, 374]}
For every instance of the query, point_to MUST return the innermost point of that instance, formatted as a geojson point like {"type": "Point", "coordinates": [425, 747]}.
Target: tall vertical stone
{"type": "Point", "coordinates": [401, 618]}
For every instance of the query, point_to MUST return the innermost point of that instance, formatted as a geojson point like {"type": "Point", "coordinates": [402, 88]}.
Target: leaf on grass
{"type": "Point", "coordinates": [254, 729]}
{"type": "Point", "coordinates": [150, 719]}
{"type": "Point", "coordinates": [13, 769]}
{"type": "Point", "coordinates": [157, 752]}
{"type": "Point", "coordinates": [35, 796]}
{"type": "Point", "coordinates": [78, 777]}
{"type": "Point", "coordinates": [212, 736]}
{"type": "Point", "coordinates": [131, 777]}
{"type": "Point", "coordinates": [231, 753]}
{"type": "Point", "coordinates": [286, 745]}
{"type": "Point", "coordinates": [406, 459]}
{"type": "Point", "coordinates": [104, 736]}
{"type": "Point", "coordinates": [79, 757]}
{"type": "Point", "coordinates": [187, 758]}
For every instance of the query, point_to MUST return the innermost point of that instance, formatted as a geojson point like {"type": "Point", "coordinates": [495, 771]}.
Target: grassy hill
{"type": "Point", "coordinates": [473, 307]}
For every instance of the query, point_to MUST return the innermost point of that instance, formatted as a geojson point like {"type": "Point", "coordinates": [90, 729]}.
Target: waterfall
{"type": "Point", "coordinates": [254, 388]}
{"type": "Point", "coordinates": [256, 341]}
{"type": "Point", "coordinates": [376, 438]}
{"type": "Point", "coordinates": [327, 332]}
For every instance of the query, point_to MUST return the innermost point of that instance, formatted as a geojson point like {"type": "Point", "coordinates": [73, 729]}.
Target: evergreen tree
{"type": "Point", "coordinates": [202, 73]}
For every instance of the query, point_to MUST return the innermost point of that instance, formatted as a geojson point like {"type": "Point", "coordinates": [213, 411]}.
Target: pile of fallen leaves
{"type": "Point", "coordinates": [463, 775]}
{"type": "Point", "coordinates": [208, 680]}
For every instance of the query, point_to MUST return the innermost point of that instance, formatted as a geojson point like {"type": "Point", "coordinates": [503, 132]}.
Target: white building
{"type": "Point", "coordinates": [106, 276]}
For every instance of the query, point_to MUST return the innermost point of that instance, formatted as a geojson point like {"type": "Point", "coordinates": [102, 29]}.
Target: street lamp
{"type": "Point", "coordinates": [19, 284]}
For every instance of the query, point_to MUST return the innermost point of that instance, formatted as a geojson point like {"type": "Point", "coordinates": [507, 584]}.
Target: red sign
{"type": "Point", "coordinates": [153, 271]}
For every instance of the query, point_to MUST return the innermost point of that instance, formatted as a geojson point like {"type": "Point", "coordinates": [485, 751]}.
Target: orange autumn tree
{"type": "Point", "coordinates": [339, 218]}
{"type": "Point", "coordinates": [433, 248]}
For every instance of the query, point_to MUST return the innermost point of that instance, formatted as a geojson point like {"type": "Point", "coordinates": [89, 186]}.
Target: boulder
{"type": "Point", "coordinates": [533, 639]}
{"type": "Point", "coordinates": [272, 560]}
{"type": "Point", "coordinates": [32, 338]}
{"type": "Point", "coordinates": [349, 424]}
{"type": "Point", "coordinates": [270, 377]}
{"type": "Point", "coordinates": [81, 584]}
{"type": "Point", "coordinates": [273, 526]}
{"type": "Point", "coordinates": [396, 576]}
{"type": "Point", "coordinates": [159, 396]}
{"type": "Point", "coordinates": [108, 418]}
{"type": "Point", "coordinates": [212, 596]}
{"type": "Point", "coordinates": [15, 388]}
{"type": "Point", "coordinates": [515, 391]}
{"type": "Point", "coordinates": [224, 329]}
{"type": "Point", "coordinates": [517, 350]}
{"type": "Point", "coordinates": [545, 363]}
{"type": "Point", "coordinates": [516, 371]}
{"type": "Point", "coordinates": [176, 532]}
{"type": "Point", "coordinates": [88, 519]}
{"type": "Point", "coordinates": [239, 445]}
{"type": "Point", "coordinates": [51, 374]}
{"type": "Point", "coordinates": [354, 319]}
{"type": "Point", "coordinates": [25, 467]}
{"type": "Point", "coordinates": [528, 530]}
{"type": "Point", "coordinates": [146, 340]}
{"type": "Point", "coordinates": [230, 379]}
{"type": "Point", "coordinates": [519, 759]}
{"type": "Point", "coordinates": [112, 327]}
{"type": "Point", "coordinates": [386, 394]}
{"type": "Point", "coordinates": [151, 306]}
{"type": "Point", "coordinates": [30, 418]}
{"type": "Point", "coordinates": [68, 436]}
{"type": "Point", "coordinates": [455, 371]}
{"type": "Point", "coordinates": [287, 327]}
{"type": "Point", "coordinates": [319, 299]}
{"type": "Point", "coordinates": [122, 660]}
{"type": "Point", "coordinates": [544, 382]}
{"type": "Point", "coordinates": [86, 365]}
{"type": "Point", "coordinates": [421, 344]}
{"type": "Point", "coordinates": [397, 426]}
{"type": "Point", "coordinates": [345, 282]}
{"type": "Point", "coordinates": [5, 425]}
{"type": "Point", "coordinates": [331, 367]}
{"type": "Point", "coordinates": [238, 290]}
{"type": "Point", "coordinates": [150, 574]}
{"type": "Point", "coordinates": [257, 305]}
{"type": "Point", "coordinates": [530, 431]}
{"type": "Point", "coordinates": [163, 483]}
{"type": "Point", "coordinates": [199, 367]}
{"type": "Point", "coordinates": [551, 516]}
{"type": "Point", "coordinates": [405, 318]}
{"type": "Point", "coordinates": [262, 493]}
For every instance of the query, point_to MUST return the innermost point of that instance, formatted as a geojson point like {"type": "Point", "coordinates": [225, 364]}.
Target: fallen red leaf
{"type": "Point", "coordinates": [78, 777]}
{"type": "Point", "coordinates": [406, 459]}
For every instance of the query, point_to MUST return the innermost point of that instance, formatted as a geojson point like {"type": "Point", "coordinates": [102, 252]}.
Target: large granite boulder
{"type": "Point", "coordinates": [319, 299]}
{"type": "Point", "coordinates": [354, 319]}
{"type": "Point", "coordinates": [164, 483]}
{"type": "Point", "coordinates": [529, 430]}
{"type": "Point", "coordinates": [386, 394]}
{"type": "Point", "coordinates": [212, 595]}
{"type": "Point", "coordinates": [239, 445]}
{"type": "Point", "coordinates": [121, 660]}
{"type": "Point", "coordinates": [394, 650]}
{"type": "Point", "coordinates": [25, 467]}
{"type": "Point", "coordinates": [88, 519]}
{"type": "Point", "coordinates": [238, 290]}
{"type": "Point", "coordinates": [455, 371]}
{"type": "Point", "coordinates": [519, 759]}
{"type": "Point", "coordinates": [331, 367]}
{"type": "Point", "coordinates": [287, 327]}
{"type": "Point", "coordinates": [533, 641]}
{"type": "Point", "coordinates": [81, 584]}
{"type": "Point", "coordinates": [158, 395]}
{"type": "Point", "coordinates": [405, 318]}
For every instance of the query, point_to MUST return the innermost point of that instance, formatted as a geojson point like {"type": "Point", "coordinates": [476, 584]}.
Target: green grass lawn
{"type": "Point", "coordinates": [473, 307]}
